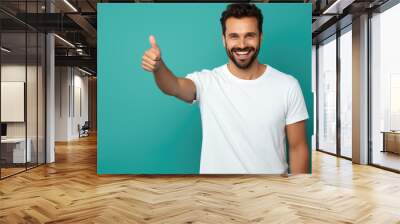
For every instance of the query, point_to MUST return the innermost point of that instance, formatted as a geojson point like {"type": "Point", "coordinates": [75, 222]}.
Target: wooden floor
{"type": "Point", "coordinates": [5, 172]}
{"type": "Point", "coordinates": [70, 191]}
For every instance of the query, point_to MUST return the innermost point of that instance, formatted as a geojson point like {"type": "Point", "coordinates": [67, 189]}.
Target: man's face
{"type": "Point", "coordinates": [242, 40]}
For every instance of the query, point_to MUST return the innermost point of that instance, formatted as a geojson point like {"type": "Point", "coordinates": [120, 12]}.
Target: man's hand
{"type": "Point", "coordinates": [151, 59]}
{"type": "Point", "coordinates": [168, 83]}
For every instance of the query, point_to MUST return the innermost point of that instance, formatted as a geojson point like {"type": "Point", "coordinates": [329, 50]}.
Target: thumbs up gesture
{"type": "Point", "coordinates": [151, 59]}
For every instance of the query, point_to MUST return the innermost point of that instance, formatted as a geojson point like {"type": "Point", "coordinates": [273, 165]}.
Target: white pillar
{"type": "Point", "coordinates": [50, 92]}
{"type": "Point", "coordinates": [360, 90]}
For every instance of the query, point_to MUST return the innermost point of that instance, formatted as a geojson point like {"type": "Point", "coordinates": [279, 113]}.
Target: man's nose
{"type": "Point", "coordinates": [242, 43]}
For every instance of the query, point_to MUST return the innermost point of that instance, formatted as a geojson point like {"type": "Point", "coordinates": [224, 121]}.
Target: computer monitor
{"type": "Point", "coordinates": [3, 129]}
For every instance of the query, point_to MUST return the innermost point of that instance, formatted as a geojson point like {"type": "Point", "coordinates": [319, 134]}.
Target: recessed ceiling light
{"type": "Point", "coordinates": [71, 6]}
{"type": "Point", "coordinates": [64, 40]}
{"type": "Point", "coordinates": [84, 71]}
{"type": "Point", "coordinates": [5, 50]}
{"type": "Point", "coordinates": [337, 7]}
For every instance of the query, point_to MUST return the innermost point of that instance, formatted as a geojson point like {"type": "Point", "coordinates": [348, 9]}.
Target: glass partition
{"type": "Point", "coordinates": [14, 150]}
{"type": "Point", "coordinates": [346, 92]}
{"type": "Point", "coordinates": [22, 77]}
{"type": "Point", "coordinates": [385, 89]}
{"type": "Point", "coordinates": [32, 95]}
{"type": "Point", "coordinates": [327, 95]}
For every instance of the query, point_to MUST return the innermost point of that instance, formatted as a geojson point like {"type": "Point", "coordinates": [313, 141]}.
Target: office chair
{"type": "Point", "coordinates": [84, 130]}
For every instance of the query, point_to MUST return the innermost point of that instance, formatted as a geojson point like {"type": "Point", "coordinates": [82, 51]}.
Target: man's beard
{"type": "Point", "coordinates": [237, 63]}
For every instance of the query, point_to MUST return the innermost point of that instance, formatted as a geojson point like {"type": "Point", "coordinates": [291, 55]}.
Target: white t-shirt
{"type": "Point", "coordinates": [244, 121]}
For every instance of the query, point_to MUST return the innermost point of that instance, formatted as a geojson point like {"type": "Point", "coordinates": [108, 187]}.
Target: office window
{"type": "Point", "coordinates": [346, 92]}
{"type": "Point", "coordinates": [385, 88]}
{"type": "Point", "coordinates": [395, 101]}
{"type": "Point", "coordinates": [327, 95]}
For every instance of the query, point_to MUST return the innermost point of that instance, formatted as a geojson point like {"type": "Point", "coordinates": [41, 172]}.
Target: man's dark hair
{"type": "Point", "coordinates": [240, 10]}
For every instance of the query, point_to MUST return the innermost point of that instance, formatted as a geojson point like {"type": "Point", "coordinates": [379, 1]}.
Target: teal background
{"type": "Point", "coordinates": [143, 131]}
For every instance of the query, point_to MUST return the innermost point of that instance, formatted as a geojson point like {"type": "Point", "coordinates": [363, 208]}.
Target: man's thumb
{"type": "Point", "coordinates": [153, 41]}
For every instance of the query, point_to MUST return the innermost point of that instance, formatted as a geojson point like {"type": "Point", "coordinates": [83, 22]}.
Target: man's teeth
{"type": "Point", "coordinates": [242, 52]}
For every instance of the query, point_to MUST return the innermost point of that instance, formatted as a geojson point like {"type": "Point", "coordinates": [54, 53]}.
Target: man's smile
{"type": "Point", "coordinates": [242, 54]}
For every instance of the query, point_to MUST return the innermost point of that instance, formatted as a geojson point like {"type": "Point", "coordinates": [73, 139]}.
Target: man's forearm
{"type": "Point", "coordinates": [166, 81]}
{"type": "Point", "coordinates": [299, 159]}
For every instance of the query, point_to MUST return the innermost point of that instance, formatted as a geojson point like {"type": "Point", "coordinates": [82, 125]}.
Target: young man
{"type": "Point", "coordinates": [247, 108]}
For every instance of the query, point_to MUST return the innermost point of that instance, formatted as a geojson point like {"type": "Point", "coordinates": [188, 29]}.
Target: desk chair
{"type": "Point", "coordinates": [84, 130]}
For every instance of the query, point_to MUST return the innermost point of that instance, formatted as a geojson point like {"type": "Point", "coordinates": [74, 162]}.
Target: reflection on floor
{"type": "Point", "coordinates": [13, 169]}
{"type": "Point", "coordinates": [10, 171]}
{"type": "Point", "coordinates": [347, 152]}
{"type": "Point", "coordinates": [386, 159]}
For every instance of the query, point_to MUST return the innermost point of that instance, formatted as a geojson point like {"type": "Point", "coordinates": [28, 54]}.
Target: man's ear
{"type": "Point", "coordinates": [223, 40]}
{"type": "Point", "coordinates": [261, 37]}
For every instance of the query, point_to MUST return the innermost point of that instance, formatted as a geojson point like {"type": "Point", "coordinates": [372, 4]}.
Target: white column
{"type": "Point", "coordinates": [50, 93]}
{"type": "Point", "coordinates": [50, 100]}
{"type": "Point", "coordinates": [360, 90]}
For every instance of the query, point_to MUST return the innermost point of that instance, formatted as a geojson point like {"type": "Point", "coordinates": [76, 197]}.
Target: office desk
{"type": "Point", "coordinates": [13, 150]}
{"type": "Point", "coordinates": [391, 141]}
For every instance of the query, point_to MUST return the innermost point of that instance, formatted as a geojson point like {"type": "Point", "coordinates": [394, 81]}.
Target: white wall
{"type": "Point", "coordinates": [70, 83]}
{"type": "Point", "coordinates": [9, 73]}
{"type": "Point", "coordinates": [62, 81]}
{"type": "Point", "coordinates": [16, 72]}
{"type": "Point", "coordinates": [33, 127]}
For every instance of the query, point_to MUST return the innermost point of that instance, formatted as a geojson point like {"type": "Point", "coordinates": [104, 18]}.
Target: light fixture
{"type": "Point", "coordinates": [70, 5]}
{"type": "Point", "coordinates": [84, 71]}
{"type": "Point", "coordinates": [337, 7]}
{"type": "Point", "coordinates": [329, 9]}
{"type": "Point", "coordinates": [64, 40]}
{"type": "Point", "coordinates": [79, 51]}
{"type": "Point", "coordinates": [5, 50]}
